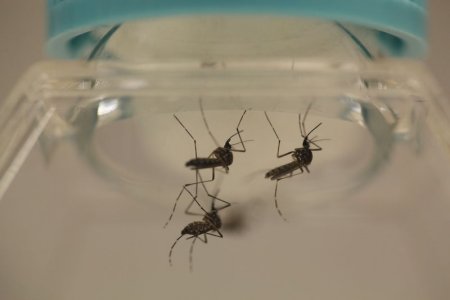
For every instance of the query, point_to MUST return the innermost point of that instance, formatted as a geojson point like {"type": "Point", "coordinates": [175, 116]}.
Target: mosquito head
{"type": "Point", "coordinates": [228, 144]}
{"type": "Point", "coordinates": [305, 143]}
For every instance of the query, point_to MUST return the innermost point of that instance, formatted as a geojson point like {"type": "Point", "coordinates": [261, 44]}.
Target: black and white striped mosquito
{"type": "Point", "coordinates": [219, 157]}
{"type": "Point", "coordinates": [302, 157]}
{"type": "Point", "coordinates": [210, 224]}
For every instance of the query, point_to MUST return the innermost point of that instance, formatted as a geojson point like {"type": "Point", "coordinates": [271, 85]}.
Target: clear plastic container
{"type": "Point", "coordinates": [92, 161]}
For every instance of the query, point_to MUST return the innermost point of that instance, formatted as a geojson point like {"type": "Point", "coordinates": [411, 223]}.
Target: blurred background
{"type": "Point", "coordinates": [84, 240]}
{"type": "Point", "coordinates": [23, 31]}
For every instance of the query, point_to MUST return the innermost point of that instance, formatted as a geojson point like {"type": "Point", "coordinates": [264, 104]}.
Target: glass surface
{"type": "Point", "coordinates": [92, 161]}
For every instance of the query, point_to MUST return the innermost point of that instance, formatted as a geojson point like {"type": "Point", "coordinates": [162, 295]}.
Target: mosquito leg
{"type": "Point", "coordinates": [276, 191]}
{"type": "Point", "coordinates": [194, 199]}
{"type": "Point", "coordinates": [282, 155]}
{"type": "Point", "coordinates": [205, 240]}
{"type": "Point", "coordinates": [171, 249]}
{"type": "Point", "coordinates": [192, 137]}
{"type": "Point", "coordinates": [174, 207]}
{"type": "Point", "coordinates": [279, 141]}
{"type": "Point", "coordinates": [240, 120]}
{"type": "Point", "coordinates": [195, 147]}
{"type": "Point", "coordinates": [213, 176]}
{"type": "Point", "coordinates": [213, 170]}
{"type": "Point", "coordinates": [214, 198]}
{"type": "Point", "coordinates": [191, 249]}
{"type": "Point", "coordinates": [206, 123]}
{"type": "Point", "coordinates": [191, 255]}
{"type": "Point", "coordinates": [315, 149]}
{"type": "Point", "coordinates": [220, 235]}
{"type": "Point", "coordinates": [188, 212]}
{"type": "Point", "coordinates": [239, 135]}
{"type": "Point", "coordinates": [185, 188]}
{"type": "Point", "coordinates": [276, 202]}
{"type": "Point", "coordinates": [222, 171]}
{"type": "Point", "coordinates": [227, 204]}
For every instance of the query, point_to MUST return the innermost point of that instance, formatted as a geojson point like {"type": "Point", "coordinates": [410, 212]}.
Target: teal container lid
{"type": "Point", "coordinates": [401, 23]}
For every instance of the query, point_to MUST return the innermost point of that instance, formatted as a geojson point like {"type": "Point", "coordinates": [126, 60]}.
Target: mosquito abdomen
{"type": "Point", "coordinates": [196, 228]}
{"type": "Point", "coordinates": [283, 170]}
{"type": "Point", "coordinates": [203, 163]}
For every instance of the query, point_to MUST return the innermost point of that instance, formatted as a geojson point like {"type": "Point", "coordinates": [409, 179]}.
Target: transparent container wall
{"type": "Point", "coordinates": [92, 161]}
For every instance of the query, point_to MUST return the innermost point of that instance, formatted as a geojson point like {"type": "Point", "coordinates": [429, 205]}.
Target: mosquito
{"type": "Point", "coordinates": [302, 157]}
{"type": "Point", "coordinates": [220, 157]}
{"type": "Point", "coordinates": [210, 225]}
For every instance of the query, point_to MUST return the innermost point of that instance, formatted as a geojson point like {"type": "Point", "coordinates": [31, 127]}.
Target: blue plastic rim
{"type": "Point", "coordinates": [401, 23]}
